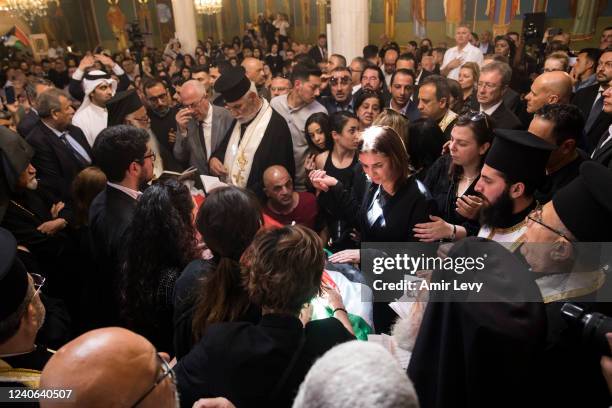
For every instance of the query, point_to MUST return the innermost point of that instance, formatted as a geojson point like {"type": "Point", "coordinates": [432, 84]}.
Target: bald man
{"type": "Point", "coordinates": [548, 88]}
{"type": "Point", "coordinates": [202, 127]}
{"type": "Point", "coordinates": [255, 72]}
{"type": "Point", "coordinates": [110, 367]}
{"type": "Point", "coordinates": [286, 205]}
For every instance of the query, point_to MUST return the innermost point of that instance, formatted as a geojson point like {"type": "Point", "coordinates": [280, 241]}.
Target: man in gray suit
{"type": "Point", "coordinates": [202, 127]}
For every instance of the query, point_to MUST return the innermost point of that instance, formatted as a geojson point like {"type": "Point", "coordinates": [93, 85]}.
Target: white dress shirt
{"type": "Point", "coordinates": [207, 131]}
{"type": "Point", "coordinates": [469, 53]}
{"type": "Point", "coordinates": [132, 193]}
{"type": "Point", "coordinates": [491, 109]}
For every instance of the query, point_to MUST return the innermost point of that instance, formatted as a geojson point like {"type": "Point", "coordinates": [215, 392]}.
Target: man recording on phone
{"type": "Point", "coordinates": [202, 127]}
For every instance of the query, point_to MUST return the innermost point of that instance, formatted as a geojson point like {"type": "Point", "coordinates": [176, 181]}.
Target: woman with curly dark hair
{"type": "Point", "coordinates": [210, 291]}
{"type": "Point", "coordinates": [160, 243]}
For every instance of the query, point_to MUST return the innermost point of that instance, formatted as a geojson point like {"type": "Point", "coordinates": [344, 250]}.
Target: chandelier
{"type": "Point", "coordinates": [28, 10]}
{"type": "Point", "coordinates": [208, 7]}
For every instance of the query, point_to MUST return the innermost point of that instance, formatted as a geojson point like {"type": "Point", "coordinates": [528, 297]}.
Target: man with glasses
{"type": "Point", "coordinates": [21, 316]}
{"type": "Point", "coordinates": [341, 98]}
{"type": "Point", "coordinates": [125, 156]}
{"type": "Point", "coordinates": [280, 85]}
{"type": "Point", "coordinates": [162, 114]}
{"type": "Point", "coordinates": [513, 169]}
{"type": "Point", "coordinates": [590, 101]}
{"type": "Point", "coordinates": [296, 107]}
{"type": "Point", "coordinates": [202, 127]}
{"type": "Point", "coordinates": [358, 65]}
{"type": "Point", "coordinates": [402, 87]}
{"type": "Point", "coordinates": [493, 81]}
{"type": "Point", "coordinates": [111, 367]}
{"type": "Point", "coordinates": [257, 138]}
{"type": "Point", "coordinates": [566, 244]}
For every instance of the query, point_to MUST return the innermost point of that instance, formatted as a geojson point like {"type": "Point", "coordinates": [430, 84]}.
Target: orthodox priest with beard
{"type": "Point", "coordinates": [258, 138]}
{"type": "Point", "coordinates": [513, 169]}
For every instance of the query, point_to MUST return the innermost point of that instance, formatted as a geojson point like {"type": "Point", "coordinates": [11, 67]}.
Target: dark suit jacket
{"type": "Point", "coordinates": [505, 119]}
{"type": "Point", "coordinates": [603, 155]}
{"type": "Point", "coordinates": [584, 100]}
{"type": "Point", "coordinates": [191, 149]}
{"type": "Point", "coordinates": [55, 164]}
{"type": "Point", "coordinates": [27, 123]}
{"type": "Point", "coordinates": [110, 215]}
{"type": "Point", "coordinates": [315, 54]}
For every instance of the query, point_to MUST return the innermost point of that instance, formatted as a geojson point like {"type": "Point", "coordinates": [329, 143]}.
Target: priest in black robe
{"type": "Point", "coordinates": [258, 138]}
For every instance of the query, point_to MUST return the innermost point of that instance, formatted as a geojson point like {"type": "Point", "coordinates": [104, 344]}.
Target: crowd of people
{"type": "Point", "coordinates": [158, 288]}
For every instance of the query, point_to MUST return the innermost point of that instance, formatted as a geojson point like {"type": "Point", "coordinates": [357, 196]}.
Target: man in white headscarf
{"type": "Point", "coordinates": [92, 116]}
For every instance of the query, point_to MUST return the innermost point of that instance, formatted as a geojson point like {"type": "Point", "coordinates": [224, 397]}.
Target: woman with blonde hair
{"type": "Point", "coordinates": [468, 78]}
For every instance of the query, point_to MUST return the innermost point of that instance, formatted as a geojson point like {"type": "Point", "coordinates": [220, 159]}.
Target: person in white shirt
{"type": "Point", "coordinates": [463, 52]}
{"type": "Point", "coordinates": [92, 116]}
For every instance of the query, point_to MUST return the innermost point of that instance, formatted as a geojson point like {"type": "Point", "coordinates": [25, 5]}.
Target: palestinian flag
{"type": "Point", "coordinates": [352, 292]}
{"type": "Point", "coordinates": [15, 37]}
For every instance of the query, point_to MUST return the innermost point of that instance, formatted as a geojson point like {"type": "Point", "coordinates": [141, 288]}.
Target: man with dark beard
{"type": "Point", "coordinates": [514, 168]}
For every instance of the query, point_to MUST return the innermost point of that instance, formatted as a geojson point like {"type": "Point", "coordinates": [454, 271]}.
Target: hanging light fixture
{"type": "Point", "coordinates": [208, 7]}
{"type": "Point", "coordinates": [143, 1]}
{"type": "Point", "coordinates": [28, 10]}
{"type": "Point", "coordinates": [112, 2]}
{"type": "Point", "coordinates": [321, 2]}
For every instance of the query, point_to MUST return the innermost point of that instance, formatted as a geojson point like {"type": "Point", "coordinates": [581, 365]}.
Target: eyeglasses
{"type": "Point", "coordinates": [536, 216]}
{"type": "Point", "coordinates": [152, 155]}
{"type": "Point", "coordinates": [161, 97]}
{"type": "Point", "coordinates": [166, 372]}
{"type": "Point", "coordinates": [194, 105]}
{"type": "Point", "coordinates": [487, 85]}
{"type": "Point", "coordinates": [279, 88]}
{"type": "Point", "coordinates": [342, 81]}
{"type": "Point", "coordinates": [478, 116]}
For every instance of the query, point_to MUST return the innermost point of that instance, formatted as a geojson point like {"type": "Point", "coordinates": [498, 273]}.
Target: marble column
{"type": "Point", "coordinates": [349, 27]}
{"type": "Point", "coordinates": [185, 24]}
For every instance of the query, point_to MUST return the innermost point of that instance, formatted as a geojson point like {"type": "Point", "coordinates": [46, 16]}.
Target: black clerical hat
{"type": "Point", "coordinates": [585, 205]}
{"type": "Point", "coordinates": [13, 276]}
{"type": "Point", "coordinates": [233, 84]}
{"type": "Point", "coordinates": [121, 105]}
{"type": "Point", "coordinates": [520, 155]}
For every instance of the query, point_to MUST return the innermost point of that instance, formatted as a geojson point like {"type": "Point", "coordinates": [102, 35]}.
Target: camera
{"type": "Point", "coordinates": [531, 33]}
{"type": "Point", "coordinates": [594, 326]}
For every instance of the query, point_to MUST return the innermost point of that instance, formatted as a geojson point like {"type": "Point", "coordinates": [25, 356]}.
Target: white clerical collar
{"type": "Point", "coordinates": [132, 193]}
{"type": "Point", "coordinates": [492, 109]}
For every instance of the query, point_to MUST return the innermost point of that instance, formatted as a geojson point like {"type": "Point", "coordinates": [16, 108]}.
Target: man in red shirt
{"type": "Point", "coordinates": [286, 205]}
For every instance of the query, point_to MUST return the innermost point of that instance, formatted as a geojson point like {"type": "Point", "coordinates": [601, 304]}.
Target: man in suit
{"type": "Point", "coordinates": [319, 52]}
{"type": "Point", "coordinates": [434, 96]}
{"type": "Point", "coordinates": [603, 150]}
{"type": "Point", "coordinates": [34, 88]}
{"type": "Point", "coordinates": [341, 98]}
{"type": "Point", "coordinates": [202, 127]}
{"type": "Point", "coordinates": [494, 80]}
{"type": "Point", "coordinates": [402, 87]}
{"type": "Point", "coordinates": [60, 149]}
{"type": "Point", "coordinates": [590, 101]}
{"type": "Point", "coordinates": [124, 153]}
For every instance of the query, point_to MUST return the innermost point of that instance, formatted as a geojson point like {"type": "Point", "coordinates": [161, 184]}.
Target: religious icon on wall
{"type": "Point", "coordinates": [116, 21]}
{"type": "Point", "coordinates": [453, 10]}
{"type": "Point", "coordinates": [585, 13]}
{"type": "Point", "coordinates": [501, 13]}
{"type": "Point", "coordinates": [419, 18]}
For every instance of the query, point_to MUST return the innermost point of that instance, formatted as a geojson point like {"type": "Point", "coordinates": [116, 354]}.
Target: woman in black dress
{"type": "Point", "coordinates": [452, 178]}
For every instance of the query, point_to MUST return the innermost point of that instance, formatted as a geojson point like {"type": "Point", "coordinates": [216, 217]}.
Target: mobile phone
{"type": "Point", "coordinates": [9, 91]}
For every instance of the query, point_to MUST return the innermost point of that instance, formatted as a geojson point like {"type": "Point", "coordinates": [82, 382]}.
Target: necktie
{"type": "Point", "coordinates": [83, 161]}
{"type": "Point", "coordinates": [604, 140]}
{"type": "Point", "coordinates": [595, 111]}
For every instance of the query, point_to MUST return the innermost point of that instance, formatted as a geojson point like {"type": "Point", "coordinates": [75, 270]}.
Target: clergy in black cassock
{"type": "Point", "coordinates": [258, 139]}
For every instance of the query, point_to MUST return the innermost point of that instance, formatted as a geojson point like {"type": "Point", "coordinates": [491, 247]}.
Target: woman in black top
{"type": "Point", "coordinates": [452, 178]}
{"type": "Point", "coordinates": [319, 137]}
{"type": "Point", "coordinates": [160, 243]}
{"type": "Point", "coordinates": [210, 291]}
{"type": "Point", "coordinates": [262, 365]}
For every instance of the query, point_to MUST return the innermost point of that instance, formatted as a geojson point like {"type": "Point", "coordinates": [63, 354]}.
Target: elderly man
{"type": "Point", "coordinates": [563, 246]}
{"type": "Point", "coordinates": [254, 69]}
{"type": "Point", "coordinates": [21, 316]}
{"type": "Point", "coordinates": [493, 81]}
{"type": "Point", "coordinates": [388, 65]}
{"type": "Point", "coordinates": [296, 107]}
{"type": "Point", "coordinates": [34, 88]}
{"type": "Point", "coordinates": [111, 367]}
{"type": "Point", "coordinates": [341, 98]}
{"type": "Point", "coordinates": [285, 205]}
{"type": "Point", "coordinates": [603, 150]}
{"type": "Point", "coordinates": [463, 52]}
{"type": "Point", "coordinates": [61, 150]}
{"type": "Point", "coordinates": [279, 86]}
{"type": "Point", "coordinates": [591, 102]}
{"type": "Point", "coordinates": [513, 169]}
{"type": "Point", "coordinates": [434, 98]}
{"type": "Point", "coordinates": [202, 127]}
{"type": "Point", "coordinates": [257, 139]}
